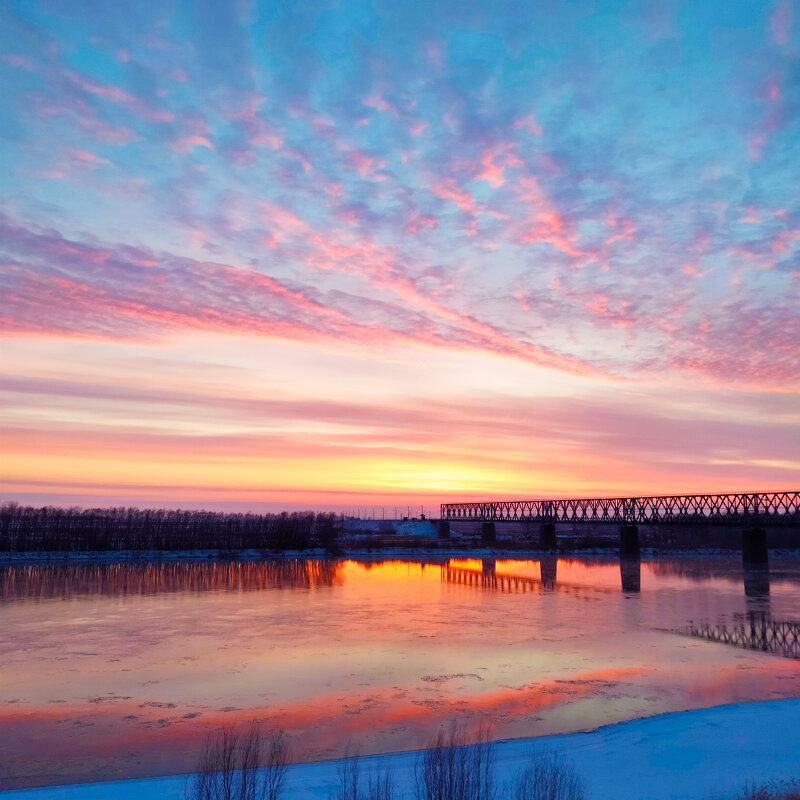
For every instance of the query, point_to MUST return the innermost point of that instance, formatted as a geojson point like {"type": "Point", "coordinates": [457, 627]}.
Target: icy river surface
{"type": "Point", "coordinates": [120, 670]}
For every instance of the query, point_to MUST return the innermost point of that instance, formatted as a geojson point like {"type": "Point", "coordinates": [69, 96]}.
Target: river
{"type": "Point", "coordinates": [120, 670]}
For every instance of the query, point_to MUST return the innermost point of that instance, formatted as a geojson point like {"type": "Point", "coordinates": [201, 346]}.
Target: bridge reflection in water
{"type": "Point", "coordinates": [752, 631]}
{"type": "Point", "coordinates": [756, 581]}
{"type": "Point", "coordinates": [488, 578]}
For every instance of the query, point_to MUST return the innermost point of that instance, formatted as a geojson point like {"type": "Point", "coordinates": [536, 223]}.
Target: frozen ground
{"type": "Point", "coordinates": [690, 754]}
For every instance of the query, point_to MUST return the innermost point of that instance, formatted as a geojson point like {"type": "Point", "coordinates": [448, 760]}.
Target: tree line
{"type": "Point", "coordinates": [76, 530]}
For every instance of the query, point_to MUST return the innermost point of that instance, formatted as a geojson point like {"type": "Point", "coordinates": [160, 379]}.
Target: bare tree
{"type": "Point", "coordinates": [549, 776]}
{"type": "Point", "coordinates": [241, 764]}
{"type": "Point", "coordinates": [274, 761]}
{"type": "Point", "coordinates": [348, 773]}
{"type": "Point", "coordinates": [452, 769]}
{"type": "Point", "coordinates": [773, 790]}
{"type": "Point", "coordinates": [74, 530]}
{"type": "Point", "coordinates": [379, 784]}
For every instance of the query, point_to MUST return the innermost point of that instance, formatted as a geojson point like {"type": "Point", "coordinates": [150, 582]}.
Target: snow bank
{"type": "Point", "coordinates": [689, 754]}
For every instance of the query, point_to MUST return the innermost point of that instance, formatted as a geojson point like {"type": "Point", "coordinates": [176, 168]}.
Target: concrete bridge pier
{"type": "Point", "coordinates": [547, 536]}
{"type": "Point", "coordinates": [754, 548]}
{"type": "Point", "coordinates": [629, 540]}
{"type": "Point", "coordinates": [630, 571]}
{"type": "Point", "coordinates": [549, 568]}
{"type": "Point", "coordinates": [443, 529]}
{"type": "Point", "coordinates": [488, 533]}
{"type": "Point", "coordinates": [489, 566]}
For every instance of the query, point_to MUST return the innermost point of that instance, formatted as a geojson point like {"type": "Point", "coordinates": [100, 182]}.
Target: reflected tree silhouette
{"type": "Point", "coordinates": [112, 580]}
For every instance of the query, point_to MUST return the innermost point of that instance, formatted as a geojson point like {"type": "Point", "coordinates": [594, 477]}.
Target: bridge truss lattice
{"type": "Point", "coordinates": [737, 508]}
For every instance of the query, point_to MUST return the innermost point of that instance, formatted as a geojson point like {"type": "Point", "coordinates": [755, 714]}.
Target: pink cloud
{"type": "Point", "coordinates": [750, 216]}
{"type": "Point", "coordinates": [494, 161]}
{"type": "Point", "coordinates": [20, 62]}
{"type": "Point", "coordinates": [322, 124]}
{"type": "Point", "coordinates": [195, 133]}
{"type": "Point", "coordinates": [448, 189]}
{"type": "Point", "coordinates": [780, 22]}
{"type": "Point", "coordinates": [258, 133]}
{"type": "Point", "coordinates": [379, 265]}
{"type": "Point", "coordinates": [782, 242]}
{"type": "Point", "coordinates": [119, 96]}
{"type": "Point", "coordinates": [419, 221]}
{"type": "Point", "coordinates": [365, 165]}
{"type": "Point", "coordinates": [89, 159]}
{"type": "Point", "coordinates": [380, 103]}
{"type": "Point", "coordinates": [124, 300]}
{"type": "Point", "coordinates": [334, 189]}
{"type": "Point", "coordinates": [773, 120]}
{"type": "Point", "coordinates": [547, 224]}
{"type": "Point", "coordinates": [756, 145]}
{"type": "Point", "coordinates": [86, 118]}
{"type": "Point", "coordinates": [281, 223]}
{"type": "Point", "coordinates": [54, 174]}
{"type": "Point", "coordinates": [772, 90]}
{"type": "Point", "coordinates": [529, 124]}
{"type": "Point", "coordinates": [435, 54]}
{"type": "Point", "coordinates": [624, 233]}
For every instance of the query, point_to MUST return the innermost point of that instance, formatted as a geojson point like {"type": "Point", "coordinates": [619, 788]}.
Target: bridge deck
{"type": "Point", "coordinates": [738, 508]}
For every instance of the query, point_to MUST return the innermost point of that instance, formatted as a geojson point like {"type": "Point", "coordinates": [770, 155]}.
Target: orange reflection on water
{"type": "Point", "coordinates": [121, 670]}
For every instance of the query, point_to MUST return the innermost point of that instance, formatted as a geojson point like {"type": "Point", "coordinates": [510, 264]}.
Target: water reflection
{"type": "Point", "coordinates": [756, 582]}
{"type": "Point", "coordinates": [752, 631]}
{"type": "Point", "coordinates": [696, 569]}
{"type": "Point", "coordinates": [65, 581]}
{"type": "Point", "coordinates": [488, 578]}
{"type": "Point", "coordinates": [126, 668]}
{"type": "Point", "coordinates": [549, 570]}
{"type": "Point", "coordinates": [630, 571]}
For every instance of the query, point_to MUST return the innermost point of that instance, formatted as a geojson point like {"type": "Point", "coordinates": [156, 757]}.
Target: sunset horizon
{"type": "Point", "coordinates": [400, 401]}
{"type": "Point", "coordinates": [333, 257]}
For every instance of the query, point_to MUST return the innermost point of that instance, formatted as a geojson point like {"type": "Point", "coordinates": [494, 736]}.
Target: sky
{"type": "Point", "coordinates": [262, 255]}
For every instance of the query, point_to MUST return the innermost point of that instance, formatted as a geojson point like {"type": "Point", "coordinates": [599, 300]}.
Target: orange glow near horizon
{"type": "Point", "coordinates": [331, 294]}
{"type": "Point", "coordinates": [146, 426]}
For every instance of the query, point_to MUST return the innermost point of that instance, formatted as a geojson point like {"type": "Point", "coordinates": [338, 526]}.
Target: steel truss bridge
{"type": "Point", "coordinates": [738, 508]}
{"type": "Point", "coordinates": [753, 632]}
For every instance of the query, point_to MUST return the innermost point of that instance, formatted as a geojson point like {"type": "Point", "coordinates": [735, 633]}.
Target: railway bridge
{"type": "Point", "coordinates": [753, 512]}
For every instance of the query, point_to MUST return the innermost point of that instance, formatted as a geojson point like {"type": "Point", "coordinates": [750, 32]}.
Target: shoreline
{"type": "Point", "coordinates": [681, 754]}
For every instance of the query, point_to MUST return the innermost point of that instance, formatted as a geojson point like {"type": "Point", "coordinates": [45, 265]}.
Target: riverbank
{"type": "Point", "coordinates": [688, 755]}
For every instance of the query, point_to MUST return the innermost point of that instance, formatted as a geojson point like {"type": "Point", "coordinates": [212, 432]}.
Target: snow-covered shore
{"type": "Point", "coordinates": [689, 754]}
